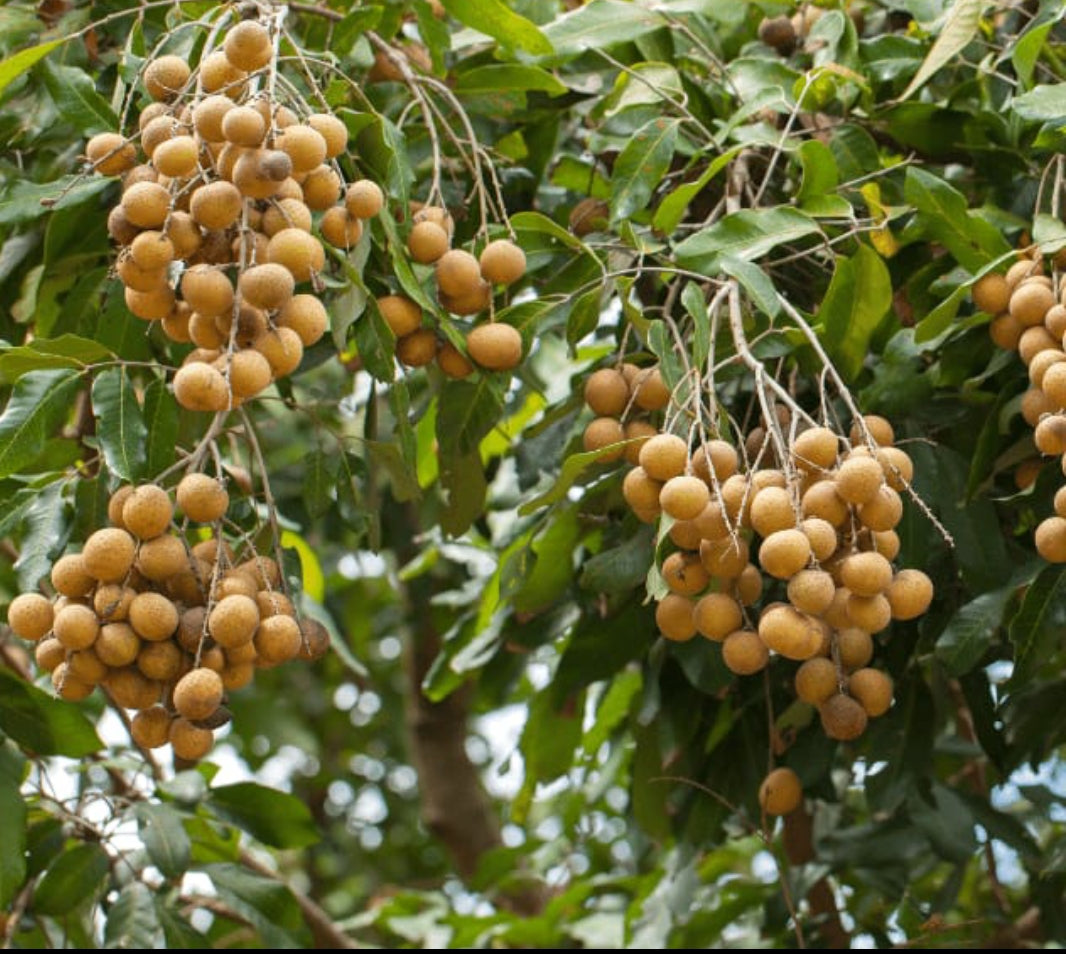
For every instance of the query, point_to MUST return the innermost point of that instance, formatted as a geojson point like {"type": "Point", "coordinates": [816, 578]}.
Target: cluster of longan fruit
{"type": "Point", "coordinates": [464, 285]}
{"type": "Point", "coordinates": [1031, 319]}
{"type": "Point", "coordinates": [819, 528]}
{"type": "Point", "coordinates": [217, 227]}
{"type": "Point", "coordinates": [618, 396]}
{"type": "Point", "coordinates": [166, 627]}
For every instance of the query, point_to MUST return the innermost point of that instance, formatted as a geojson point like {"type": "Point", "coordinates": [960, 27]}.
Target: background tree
{"type": "Point", "coordinates": [743, 226]}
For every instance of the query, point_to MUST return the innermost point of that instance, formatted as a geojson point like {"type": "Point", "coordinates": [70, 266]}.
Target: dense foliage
{"type": "Point", "coordinates": [770, 214]}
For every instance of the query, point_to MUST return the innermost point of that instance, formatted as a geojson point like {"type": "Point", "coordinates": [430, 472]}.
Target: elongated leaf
{"type": "Point", "coordinates": [584, 317]}
{"type": "Point", "coordinates": [132, 922]}
{"type": "Point", "coordinates": [41, 724]}
{"type": "Point", "coordinates": [641, 165]}
{"type": "Point", "coordinates": [265, 902]}
{"type": "Point", "coordinates": [599, 24]}
{"type": "Point", "coordinates": [467, 411]}
{"type": "Point", "coordinates": [40, 401]}
{"type": "Point", "coordinates": [553, 570]}
{"type": "Point", "coordinates": [462, 478]}
{"type": "Point", "coordinates": [960, 27]}
{"type": "Point", "coordinates": [494, 18]}
{"type": "Point", "coordinates": [747, 235]}
{"type": "Point", "coordinates": [320, 476]}
{"type": "Point", "coordinates": [74, 877]}
{"type": "Point", "coordinates": [550, 737]}
{"type": "Point", "coordinates": [376, 342]}
{"type": "Point", "coordinates": [671, 210]}
{"type": "Point", "coordinates": [42, 537]}
{"type": "Point", "coordinates": [1041, 103]}
{"type": "Point", "coordinates": [756, 283]}
{"type": "Point", "coordinates": [858, 298]}
{"type": "Point", "coordinates": [820, 176]}
{"type": "Point", "coordinates": [180, 935]}
{"type": "Point", "coordinates": [165, 838]}
{"type": "Point", "coordinates": [119, 423]}
{"type": "Point", "coordinates": [23, 200]}
{"type": "Point", "coordinates": [1036, 628]}
{"type": "Point", "coordinates": [13, 812]}
{"type": "Point", "coordinates": [17, 64]}
{"type": "Point", "coordinates": [77, 100]}
{"type": "Point", "coordinates": [621, 568]}
{"type": "Point", "coordinates": [161, 418]}
{"type": "Point", "coordinates": [66, 351]}
{"type": "Point", "coordinates": [971, 631]}
{"type": "Point", "coordinates": [573, 467]}
{"type": "Point", "coordinates": [275, 818]}
{"type": "Point", "coordinates": [487, 79]}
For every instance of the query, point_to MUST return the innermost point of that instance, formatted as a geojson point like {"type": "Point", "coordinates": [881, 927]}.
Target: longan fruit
{"type": "Point", "coordinates": [236, 583]}
{"type": "Point", "coordinates": [1042, 362]}
{"type": "Point", "coordinates": [207, 117]}
{"type": "Point", "coordinates": [872, 689]}
{"type": "Point", "coordinates": [263, 569]}
{"type": "Point", "coordinates": [664, 456]}
{"type": "Point", "coordinates": [717, 457]}
{"type": "Point", "coordinates": [204, 332]}
{"type": "Point", "coordinates": [304, 146]}
{"type": "Point", "coordinates": [162, 557]}
{"type": "Point", "coordinates": [858, 479]}
{"type": "Point", "coordinates": [502, 262]}
{"type": "Point", "coordinates": [1030, 302]}
{"type": "Point", "coordinates": [640, 490]}
{"type": "Point", "coordinates": [896, 465]}
{"type": "Point", "coordinates": [216, 205]}
{"type": "Point", "coordinates": [784, 553]}
{"type": "Point", "coordinates": [744, 653]}
{"type": "Point", "coordinates": [1035, 404]}
{"type": "Point", "coordinates": [1055, 321]}
{"type": "Point", "coordinates": [297, 251]}
{"type": "Point", "coordinates": [233, 621]}
{"type": "Point", "coordinates": [110, 154]}
{"type": "Point", "coordinates": [244, 126]}
{"type": "Point", "coordinates": [249, 373]}
{"type": "Point", "coordinates": [285, 214]}
{"type": "Point", "coordinates": [815, 449]}
{"type": "Point", "coordinates": [207, 290]}
{"type": "Point", "coordinates": [427, 242]}
{"type": "Point", "coordinates": [748, 586]}
{"type": "Point", "coordinates": [282, 348]}
{"type": "Point", "coordinates": [495, 346]}
{"type": "Point", "coordinates": [674, 617]}
{"type": "Point", "coordinates": [30, 616]}
{"type": "Point", "coordinates": [277, 640]}
{"type": "Point", "coordinates": [685, 534]}
{"type": "Point", "coordinates": [822, 501]}
{"type": "Point", "coordinates": [165, 77]}
{"type": "Point", "coordinates": [638, 433]}
{"type": "Point", "coordinates": [684, 574]}
{"type": "Point", "coordinates": [418, 348]}
{"type": "Point", "coordinates": [842, 717]}
{"type": "Point", "coordinates": [866, 574]}
{"type": "Point", "coordinates": [1053, 381]}
{"type": "Point", "coordinates": [70, 578]}
{"type": "Point", "coordinates": [725, 558]}
{"type": "Point", "coordinates": [816, 680]}
{"type": "Point", "coordinates": [247, 45]}
{"type": "Point", "coordinates": [49, 653]}
{"type": "Point", "coordinates": [198, 694]}
{"type": "Point", "coordinates": [119, 227]}
{"type": "Point", "coordinates": [189, 742]}
{"type": "Point", "coordinates": [177, 158]}
{"type": "Point", "coordinates": [788, 632]}
{"type": "Point", "coordinates": [401, 314]}
{"type": "Point", "coordinates": [771, 510]}
{"type": "Point", "coordinates": [822, 536]}
{"type": "Point", "coordinates": [684, 497]}
{"type": "Point", "coordinates": [315, 640]}
{"type": "Point", "coordinates": [606, 392]}
{"type": "Point", "coordinates": [150, 305]}
{"type": "Point", "coordinates": [161, 661]}
{"type": "Point", "coordinates": [476, 300]}
{"type": "Point", "coordinates": [780, 792]}
{"type": "Point", "coordinates": [111, 601]}
{"type": "Point", "coordinates": [458, 272]}
{"type": "Point", "coordinates": [339, 229]}
{"type": "Point", "coordinates": [870, 613]}
{"type": "Point", "coordinates": [1034, 340]}
{"type": "Point", "coordinates": [321, 188]}
{"type": "Point", "coordinates": [736, 497]}
{"type": "Point", "coordinates": [131, 688]}
{"type": "Point", "coordinates": [147, 511]}
{"type": "Point", "coordinates": [272, 603]}
{"type": "Point", "coordinates": [879, 428]}
{"type": "Point", "coordinates": [332, 130]}
{"type": "Point", "coordinates": [68, 686]}
{"type": "Point", "coordinates": [883, 512]}
{"type": "Point", "coordinates": [1050, 538]}
{"type": "Point", "coordinates": [75, 626]}
{"type": "Point", "coordinates": [779, 33]}
{"type": "Point", "coordinates": [108, 554]}
{"type": "Point", "coordinates": [146, 204]}
{"type": "Point", "coordinates": [1006, 332]}
{"type": "Point", "coordinates": [150, 728]}
{"type": "Point", "coordinates": [811, 591]}
{"type": "Point", "coordinates": [364, 199]}
{"type": "Point", "coordinates": [603, 432]}
{"type": "Point", "coordinates": [268, 286]}
{"type": "Point", "coordinates": [200, 387]}
{"type": "Point", "coordinates": [650, 392]}
{"type": "Point", "coordinates": [716, 615]}
{"type": "Point", "coordinates": [151, 252]}
{"type": "Point", "coordinates": [85, 666]}
{"type": "Point", "coordinates": [219, 75]}
{"type": "Point", "coordinates": [991, 294]}
{"type": "Point", "coordinates": [453, 362]}
{"type": "Point", "coordinates": [202, 498]}
{"type": "Point", "coordinates": [153, 135]}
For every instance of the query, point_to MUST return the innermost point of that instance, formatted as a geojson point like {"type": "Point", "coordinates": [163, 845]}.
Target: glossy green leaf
{"type": "Point", "coordinates": [467, 411]}
{"type": "Point", "coordinates": [132, 921]}
{"type": "Point", "coordinates": [820, 175]}
{"type": "Point", "coordinates": [671, 210]}
{"type": "Point", "coordinates": [161, 420]}
{"type": "Point", "coordinates": [972, 630]}
{"type": "Point", "coordinates": [73, 878]}
{"type": "Point", "coordinates": [549, 738]}
{"type": "Point", "coordinates": [275, 818]}
{"type": "Point", "coordinates": [26, 201]}
{"type": "Point", "coordinates": [621, 568]}
{"type": "Point", "coordinates": [746, 235]}
{"type": "Point", "coordinates": [601, 23]}
{"type": "Point", "coordinates": [857, 300]}
{"type": "Point", "coordinates": [66, 351]}
{"type": "Point", "coordinates": [40, 401]}
{"type": "Point", "coordinates": [553, 569]}
{"type": "Point", "coordinates": [264, 902]}
{"type": "Point", "coordinates": [496, 19]}
{"type": "Point", "coordinates": [573, 467]}
{"type": "Point", "coordinates": [119, 423]}
{"type": "Point", "coordinates": [755, 282]}
{"type": "Point", "coordinates": [43, 534]}
{"type": "Point", "coordinates": [1036, 629]}
{"type": "Point", "coordinates": [15, 65]}
{"type": "Point", "coordinates": [1044, 103]}
{"type": "Point", "coordinates": [584, 316]}
{"type": "Point", "coordinates": [484, 79]}
{"type": "Point", "coordinates": [77, 100]}
{"type": "Point", "coordinates": [42, 724]}
{"type": "Point", "coordinates": [462, 479]}
{"type": "Point", "coordinates": [13, 811]}
{"type": "Point", "coordinates": [165, 838]}
{"type": "Point", "coordinates": [640, 166]}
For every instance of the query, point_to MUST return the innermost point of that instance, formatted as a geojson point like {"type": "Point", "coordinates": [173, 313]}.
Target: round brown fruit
{"type": "Point", "coordinates": [602, 432]}
{"type": "Point", "coordinates": [268, 286]}
{"type": "Point", "coordinates": [216, 205]}
{"type": "Point", "coordinates": [177, 158]}
{"type": "Point", "coordinates": [75, 626]}
{"type": "Point", "coordinates": [744, 653]}
{"type": "Point", "coordinates": [843, 718]}
{"type": "Point", "coordinates": [780, 792]}
{"type": "Point", "coordinates": [502, 262]}
{"type": "Point", "coordinates": [202, 498]}
{"type": "Point", "coordinates": [650, 392]}
{"type": "Point", "coordinates": [110, 154]}
{"type": "Point", "coordinates": [816, 680]}
{"type": "Point", "coordinates": [638, 433]}
{"type": "Point", "coordinates": [146, 204]}
{"type": "Point", "coordinates": [189, 741]}
{"type": "Point", "coordinates": [277, 640]}
{"type": "Point", "coordinates": [873, 690]}
{"type": "Point", "coordinates": [640, 490]}
{"type": "Point", "coordinates": [664, 456]}
{"type": "Point", "coordinates": [815, 449]}
{"type": "Point", "coordinates": [364, 199]}
{"type": "Point", "coordinates": [147, 511]}
{"type": "Point", "coordinates": [200, 387]}
{"type": "Point", "coordinates": [298, 251]}
{"type": "Point", "coordinates": [427, 242]}
{"type": "Point", "coordinates": [779, 33]}
{"type": "Point", "coordinates": [772, 510]}
{"type": "Point", "coordinates": [684, 574]}
{"type": "Point", "coordinates": [165, 77]}
{"type": "Point", "coordinates": [1051, 539]}
{"type": "Point", "coordinates": [495, 346]}
{"type": "Point", "coordinates": [401, 314]}
{"type": "Point", "coordinates": [866, 574]}
{"type": "Point", "coordinates": [108, 554]}
{"type": "Point", "coordinates": [282, 348]}
{"type": "Point", "coordinates": [674, 617]}
{"type": "Point", "coordinates": [30, 616]}
{"type": "Point", "coordinates": [304, 146]}
{"type": "Point", "coordinates": [858, 479]}
{"type": "Point", "coordinates": [452, 362]}
{"type": "Point", "coordinates": [70, 578]}
{"type": "Point", "coordinates": [784, 553]}
{"type": "Point", "coordinates": [418, 348]}
{"type": "Point", "coordinates": [1030, 302]}
{"type": "Point", "coordinates": [789, 632]}
{"type": "Point", "coordinates": [150, 728]}
{"type": "Point", "coordinates": [333, 130]}
{"type": "Point", "coordinates": [991, 294]}
{"type": "Point", "coordinates": [606, 392]}
{"type": "Point", "coordinates": [683, 497]}
{"type": "Point", "coordinates": [716, 615]}
{"type": "Point", "coordinates": [811, 591]}
{"type": "Point", "coordinates": [247, 45]}
{"type": "Point", "coordinates": [458, 273]}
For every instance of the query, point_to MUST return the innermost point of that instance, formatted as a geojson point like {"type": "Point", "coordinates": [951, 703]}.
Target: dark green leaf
{"type": "Point", "coordinates": [119, 423]}
{"type": "Point", "coordinates": [904, 746]}
{"type": "Point", "coordinates": [972, 631]}
{"type": "Point", "coordinates": [553, 569]}
{"type": "Point", "coordinates": [42, 537]}
{"type": "Point", "coordinates": [550, 737]}
{"type": "Point", "coordinates": [584, 317]}
{"type": "Point", "coordinates": [640, 166]}
{"type": "Point", "coordinates": [820, 175]}
{"type": "Point", "coordinates": [601, 23]}
{"type": "Point", "coordinates": [165, 838]}
{"type": "Point", "coordinates": [601, 647]}
{"type": "Point", "coordinates": [66, 351]}
{"type": "Point", "coordinates": [695, 304]}
{"type": "Point", "coordinates": [180, 935]}
{"type": "Point", "coordinates": [494, 18]}
{"type": "Point", "coordinates": [462, 478]}
{"type": "Point", "coordinates": [1037, 627]}
{"type": "Point", "coordinates": [672, 208]}
{"type": "Point", "coordinates": [484, 79]}
{"type": "Point", "coordinates": [275, 818]}
{"type": "Point", "coordinates": [320, 477]}
{"type": "Point", "coordinates": [41, 724]}
{"type": "Point", "coordinates": [25, 201]}
{"type": "Point", "coordinates": [13, 812]}
{"type": "Point", "coordinates": [756, 283]}
{"type": "Point", "coordinates": [401, 474]}
{"type": "Point", "coordinates": [73, 878]}
{"type": "Point", "coordinates": [161, 421]}
{"type": "Point", "coordinates": [40, 401]}
{"type": "Point", "coordinates": [266, 903]}
{"type": "Point", "coordinates": [573, 467]}
{"type": "Point", "coordinates": [467, 411]}
{"type": "Point", "coordinates": [132, 922]}
{"type": "Point", "coordinates": [376, 342]}
{"type": "Point", "coordinates": [747, 235]}
{"type": "Point", "coordinates": [858, 298]}
{"type": "Point", "coordinates": [77, 100]}
{"type": "Point", "coordinates": [621, 568]}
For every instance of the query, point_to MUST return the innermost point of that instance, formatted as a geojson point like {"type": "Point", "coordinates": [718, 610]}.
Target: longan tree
{"type": "Point", "coordinates": [530, 473]}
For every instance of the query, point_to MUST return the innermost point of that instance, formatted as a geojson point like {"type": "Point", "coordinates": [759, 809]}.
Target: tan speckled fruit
{"type": "Point", "coordinates": [216, 205]}
{"type": "Point", "coordinates": [822, 537]}
{"type": "Point", "coordinates": [147, 511]}
{"type": "Point", "coordinates": [821, 500]}
{"type": "Point", "coordinates": [249, 373]}
{"type": "Point", "coordinates": [282, 348]}
{"type": "Point", "coordinates": [649, 390]}
{"type": "Point", "coordinates": [401, 314]}
{"type": "Point", "coordinates": [664, 456]}
{"type": "Point", "coordinates": [772, 510]}
{"type": "Point", "coordinates": [418, 348]}
{"type": "Point", "coordinates": [641, 491]}
{"type": "Point", "coordinates": [200, 387]}
{"type": "Point", "coordinates": [748, 586]}
{"type": "Point", "coordinates": [716, 615]}
{"type": "Point", "coordinates": [161, 661]}
{"type": "Point", "coordinates": [247, 45]}
{"type": "Point", "coordinates": [427, 242]}
{"type": "Point", "coordinates": [858, 479]}
{"type": "Point", "coordinates": [165, 77]}
{"type": "Point", "coordinates": [789, 632]}
{"type": "Point", "coordinates": [606, 392]}
{"type": "Point", "coordinates": [639, 432]}
{"type": "Point", "coordinates": [268, 286]}
{"type": "Point", "coordinates": [684, 497]}
{"type": "Point", "coordinates": [866, 574]}
{"type": "Point", "coordinates": [67, 685]}
{"type": "Point", "coordinates": [75, 626]}
{"type": "Point", "coordinates": [111, 601]}
{"type": "Point", "coordinates": [744, 653]}
{"type": "Point", "coordinates": [364, 199]}
{"type": "Point", "coordinates": [725, 558]}
{"type": "Point", "coordinates": [146, 204]}
{"type": "Point", "coordinates": [189, 741]}
{"type": "Point", "coordinates": [110, 154]}
{"type": "Point", "coordinates": [299, 252]}
{"type": "Point", "coordinates": [339, 228]}
{"type": "Point", "coordinates": [304, 146]}
{"type": "Point", "coordinates": [108, 554]}
{"type": "Point", "coordinates": [177, 158]}
{"type": "Point", "coordinates": [843, 718]}
{"type": "Point", "coordinates": [162, 557]}
{"type": "Point", "coordinates": [49, 653]}
{"type": "Point", "coordinates": [202, 498]}
{"type": "Point", "coordinates": [811, 591]}
{"type": "Point", "coordinates": [602, 432]}
{"type": "Point", "coordinates": [684, 574]}
{"type": "Point", "coordinates": [322, 188]}
{"type": "Point", "coordinates": [30, 616]}
{"type": "Point", "coordinates": [332, 130]}
{"type": "Point", "coordinates": [780, 792]}
{"type": "Point", "coordinates": [816, 680]}
{"type": "Point", "coordinates": [207, 290]}
{"type": "Point", "coordinates": [495, 346]}
{"type": "Point", "coordinates": [150, 728]}
{"type": "Point", "coordinates": [1029, 303]}
{"type": "Point", "coordinates": [816, 449]}
{"type": "Point", "coordinates": [453, 362]}
{"type": "Point", "coordinates": [991, 294]}
{"type": "Point", "coordinates": [233, 621]}
{"type": "Point", "coordinates": [277, 640]}
{"type": "Point", "coordinates": [883, 512]}
{"type": "Point", "coordinates": [673, 616]}
{"type": "Point", "coordinates": [70, 578]}
{"type": "Point", "coordinates": [198, 694]}
{"type": "Point", "coordinates": [153, 616]}
{"type": "Point", "coordinates": [502, 262]}
{"type": "Point", "coordinates": [458, 272]}
{"type": "Point", "coordinates": [784, 553]}
{"type": "Point", "coordinates": [873, 690]}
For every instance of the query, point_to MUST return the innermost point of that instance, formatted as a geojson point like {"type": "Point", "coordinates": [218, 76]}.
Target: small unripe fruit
{"type": "Point", "coordinates": [502, 262]}
{"type": "Point", "coordinates": [843, 718]}
{"type": "Point", "coordinates": [495, 346]}
{"type": "Point", "coordinates": [30, 616]}
{"type": "Point", "coordinates": [780, 792]}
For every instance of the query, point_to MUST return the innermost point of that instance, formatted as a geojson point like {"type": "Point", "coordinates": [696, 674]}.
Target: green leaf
{"type": "Point", "coordinates": [1041, 103]}
{"type": "Point", "coordinates": [940, 318]}
{"type": "Point", "coordinates": [960, 27]}
{"type": "Point", "coordinates": [858, 298]}
{"type": "Point", "coordinates": [601, 647]}
{"type": "Point", "coordinates": [161, 419]}
{"type": "Point", "coordinates": [641, 165]}
{"type": "Point", "coordinates": [320, 477]}
{"type": "Point", "coordinates": [621, 568]}
{"type": "Point", "coordinates": [74, 877]}
{"type": "Point", "coordinates": [462, 478]}
{"type": "Point", "coordinates": [820, 176]}
{"type": "Point", "coordinates": [494, 18]}
{"type": "Point", "coordinates": [275, 818]}
{"type": "Point", "coordinates": [756, 283]}
{"type": "Point", "coordinates": [584, 317]}
{"type": "Point", "coordinates": [179, 934]}
{"type": "Point", "coordinates": [165, 839]}
{"type": "Point", "coordinates": [467, 411]}
{"type": "Point", "coordinates": [25, 201]}
{"type": "Point", "coordinates": [695, 304]}
{"type": "Point", "coordinates": [266, 903]}
{"type": "Point", "coordinates": [42, 724]}
{"type": "Point", "coordinates": [40, 401]}
{"type": "Point", "coordinates": [13, 811]}
{"type": "Point", "coordinates": [746, 235]}
{"type": "Point", "coordinates": [401, 475]}
{"type": "Point", "coordinates": [42, 537]}
{"type": "Point", "coordinates": [972, 630]}
{"type": "Point", "coordinates": [119, 423]}
{"type": "Point", "coordinates": [488, 79]}
{"type": "Point", "coordinates": [376, 342]}
{"type": "Point", "coordinates": [1026, 51]}
{"type": "Point", "coordinates": [599, 24]}
{"type": "Point", "coordinates": [66, 351]}
{"type": "Point", "coordinates": [550, 737]}
{"type": "Point", "coordinates": [553, 569]}
{"type": "Point", "coordinates": [132, 922]}
{"type": "Point", "coordinates": [613, 708]}
{"type": "Point", "coordinates": [76, 98]}
{"type": "Point", "coordinates": [573, 467]}
{"type": "Point", "coordinates": [15, 65]}
{"type": "Point", "coordinates": [671, 210]}
{"type": "Point", "coordinates": [1037, 627]}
